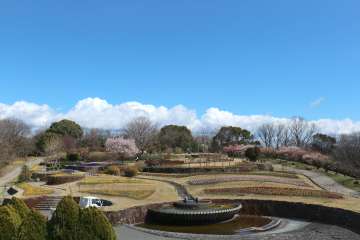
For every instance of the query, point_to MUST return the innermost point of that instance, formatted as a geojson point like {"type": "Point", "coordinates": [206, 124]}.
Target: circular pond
{"type": "Point", "coordinates": [238, 225]}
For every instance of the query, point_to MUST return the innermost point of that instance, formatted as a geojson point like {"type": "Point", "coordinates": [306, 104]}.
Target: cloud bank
{"type": "Point", "coordinates": [98, 113]}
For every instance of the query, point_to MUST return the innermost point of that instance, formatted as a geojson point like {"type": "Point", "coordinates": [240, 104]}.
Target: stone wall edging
{"type": "Point", "coordinates": [309, 212]}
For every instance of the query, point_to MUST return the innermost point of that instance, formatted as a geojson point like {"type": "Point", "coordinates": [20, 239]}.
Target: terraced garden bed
{"type": "Point", "coordinates": [274, 191]}
{"type": "Point", "coordinates": [259, 178]}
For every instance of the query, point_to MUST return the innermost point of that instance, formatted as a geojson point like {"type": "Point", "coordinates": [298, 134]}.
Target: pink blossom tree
{"type": "Point", "coordinates": [120, 145]}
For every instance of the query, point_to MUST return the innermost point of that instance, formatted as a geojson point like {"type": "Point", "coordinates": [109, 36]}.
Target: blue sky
{"type": "Point", "coordinates": [279, 57]}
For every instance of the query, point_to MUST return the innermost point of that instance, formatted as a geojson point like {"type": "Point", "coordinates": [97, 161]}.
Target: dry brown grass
{"type": "Point", "coordinates": [134, 194]}
{"type": "Point", "coordinates": [31, 190]}
{"type": "Point", "coordinates": [106, 179]}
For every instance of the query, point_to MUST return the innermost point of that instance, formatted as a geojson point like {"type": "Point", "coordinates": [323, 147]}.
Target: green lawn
{"type": "Point", "coordinates": [346, 181]}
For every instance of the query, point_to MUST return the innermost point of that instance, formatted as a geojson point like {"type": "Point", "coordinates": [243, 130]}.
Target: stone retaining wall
{"type": "Point", "coordinates": [309, 212]}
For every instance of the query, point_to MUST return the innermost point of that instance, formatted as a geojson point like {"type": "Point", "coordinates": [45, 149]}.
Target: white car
{"type": "Point", "coordinates": [89, 201]}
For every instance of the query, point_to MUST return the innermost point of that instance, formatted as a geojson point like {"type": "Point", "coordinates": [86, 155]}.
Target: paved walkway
{"type": "Point", "coordinates": [325, 182]}
{"type": "Point", "coordinates": [313, 231]}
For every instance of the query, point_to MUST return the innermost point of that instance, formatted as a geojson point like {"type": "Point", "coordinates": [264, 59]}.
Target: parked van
{"type": "Point", "coordinates": [89, 201]}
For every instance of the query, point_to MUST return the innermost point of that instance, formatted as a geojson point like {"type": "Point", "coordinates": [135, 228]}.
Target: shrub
{"type": "Point", "coordinates": [252, 153]}
{"type": "Point", "coordinates": [64, 224]}
{"type": "Point", "coordinates": [33, 227]}
{"type": "Point", "coordinates": [19, 206]}
{"type": "Point", "coordinates": [73, 157]}
{"type": "Point", "coordinates": [130, 171]}
{"type": "Point", "coordinates": [94, 225]}
{"type": "Point", "coordinates": [9, 223]}
{"type": "Point", "coordinates": [178, 150]}
{"type": "Point", "coordinates": [113, 170]}
{"type": "Point", "coordinates": [25, 174]}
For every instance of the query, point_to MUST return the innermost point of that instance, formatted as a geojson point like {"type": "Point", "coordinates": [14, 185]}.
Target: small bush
{"type": "Point", "coordinates": [113, 170]}
{"type": "Point", "coordinates": [130, 171]}
{"type": "Point", "coordinates": [356, 182]}
{"type": "Point", "coordinates": [178, 150]}
{"type": "Point", "coordinates": [252, 153]}
{"type": "Point", "coordinates": [73, 157]}
{"type": "Point", "coordinates": [25, 174]}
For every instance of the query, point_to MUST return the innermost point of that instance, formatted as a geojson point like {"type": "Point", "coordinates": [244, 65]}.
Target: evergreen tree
{"type": "Point", "coordinates": [33, 227]}
{"type": "Point", "coordinates": [64, 224]}
{"type": "Point", "coordinates": [19, 206]}
{"type": "Point", "coordinates": [9, 223]}
{"type": "Point", "coordinates": [95, 226]}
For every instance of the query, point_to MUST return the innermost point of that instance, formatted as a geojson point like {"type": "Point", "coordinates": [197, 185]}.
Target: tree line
{"type": "Point", "coordinates": [17, 139]}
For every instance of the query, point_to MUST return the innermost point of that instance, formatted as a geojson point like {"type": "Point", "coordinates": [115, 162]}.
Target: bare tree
{"type": "Point", "coordinates": [301, 131]}
{"type": "Point", "coordinates": [347, 150]}
{"type": "Point", "coordinates": [14, 137]}
{"type": "Point", "coordinates": [281, 135]}
{"type": "Point", "coordinates": [142, 130]}
{"type": "Point", "coordinates": [267, 133]}
{"type": "Point", "coordinates": [95, 138]}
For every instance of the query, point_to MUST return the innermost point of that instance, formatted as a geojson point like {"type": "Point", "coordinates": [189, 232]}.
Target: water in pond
{"type": "Point", "coordinates": [225, 228]}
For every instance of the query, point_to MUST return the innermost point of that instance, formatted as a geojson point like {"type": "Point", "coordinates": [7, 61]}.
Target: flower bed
{"type": "Point", "coordinates": [61, 179]}
{"type": "Point", "coordinates": [258, 178]}
{"type": "Point", "coordinates": [275, 191]}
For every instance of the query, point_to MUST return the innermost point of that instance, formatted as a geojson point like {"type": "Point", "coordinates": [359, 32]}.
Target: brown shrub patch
{"type": "Point", "coordinates": [61, 179]}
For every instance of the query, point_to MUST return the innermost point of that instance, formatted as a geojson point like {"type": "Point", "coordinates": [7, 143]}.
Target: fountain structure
{"type": "Point", "coordinates": [191, 211]}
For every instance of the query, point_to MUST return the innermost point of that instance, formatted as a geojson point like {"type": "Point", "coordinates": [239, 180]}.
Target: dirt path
{"type": "Point", "coordinates": [325, 182]}
{"type": "Point", "coordinates": [11, 176]}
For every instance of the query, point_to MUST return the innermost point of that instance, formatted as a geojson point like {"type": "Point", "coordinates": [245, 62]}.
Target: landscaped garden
{"type": "Point", "coordinates": [120, 172]}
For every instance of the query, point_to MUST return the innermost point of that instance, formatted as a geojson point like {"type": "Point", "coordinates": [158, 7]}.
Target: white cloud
{"type": "Point", "coordinates": [316, 103]}
{"type": "Point", "coordinates": [98, 113]}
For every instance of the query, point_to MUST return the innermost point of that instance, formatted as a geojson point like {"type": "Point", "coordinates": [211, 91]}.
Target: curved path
{"type": "Point", "coordinates": [325, 182]}
{"type": "Point", "coordinates": [11, 176]}
{"type": "Point", "coordinates": [180, 189]}
{"type": "Point", "coordinates": [313, 231]}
